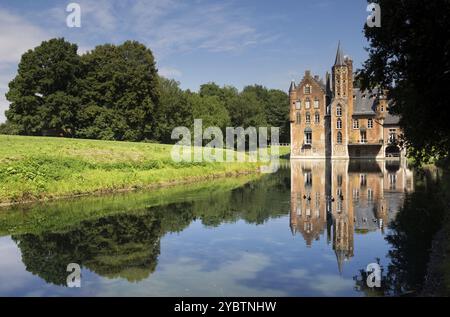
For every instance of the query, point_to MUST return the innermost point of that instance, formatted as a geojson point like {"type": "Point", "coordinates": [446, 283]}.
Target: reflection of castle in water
{"type": "Point", "coordinates": [344, 197]}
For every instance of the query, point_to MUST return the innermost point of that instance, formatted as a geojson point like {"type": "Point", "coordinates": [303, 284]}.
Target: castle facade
{"type": "Point", "coordinates": [333, 119]}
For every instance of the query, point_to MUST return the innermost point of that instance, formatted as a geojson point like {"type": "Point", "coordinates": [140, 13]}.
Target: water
{"type": "Point", "coordinates": [307, 230]}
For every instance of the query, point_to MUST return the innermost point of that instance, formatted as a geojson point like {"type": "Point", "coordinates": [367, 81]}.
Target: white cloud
{"type": "Point", "coordinates": [17, 35]}
{"type": "Point", "coordinates": [169, 27]}
{"type": "Point", "coordinates": [170, 72]}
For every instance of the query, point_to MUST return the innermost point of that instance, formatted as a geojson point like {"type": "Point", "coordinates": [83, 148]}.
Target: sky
{"type": "Point", "coordinates": [234, 42]}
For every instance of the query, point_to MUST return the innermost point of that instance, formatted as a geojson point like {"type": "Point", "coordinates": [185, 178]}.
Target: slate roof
{"type": "Point", "coordinates": [340, 59]}
{"type": "Point", "coordinates": [391, 119]}
{"type": "Point", "coordinates": [293, 86]}
{"type": "Point", "coordinates": [365, 102]}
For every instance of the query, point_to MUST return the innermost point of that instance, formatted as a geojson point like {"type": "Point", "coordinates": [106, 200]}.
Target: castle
{"type": "Point", "coordinates": [337, 121]}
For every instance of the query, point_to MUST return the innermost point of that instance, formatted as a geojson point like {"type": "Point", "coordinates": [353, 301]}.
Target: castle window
{"type": "Point", "coordinates": [316, 103]}
{"type": "Point", "coordinates": [392, 135]}
{"type": "Point", "coordinates": [298, 118]}
{"type": "Point", "coordinates": [339, 111]}
{"type": "Point", "coordinates": [339, 124]}
{"type": "Point", "coordinates": [339, 177]}
{"type": "Point", "coordinates": [370, 123]}
{"type": "Point", "coordinates": [363, 137]}
{"type": "Point", "coordinates": [308, 118]}
{"type": "Point", "coordinates": [307, 90]}
{"type": "Point", "coordinates": [339, 138]}
{"type": "Point", "coordinates": [308, 138]}
{"type": "Point", "coordinates": [355, 124]}
{"type": "Point", "coordinates": [307, 103]}
{"type": "Point", "coordinates": [298, 104]}
{"type": "Point", "coordinates": [316, 118]}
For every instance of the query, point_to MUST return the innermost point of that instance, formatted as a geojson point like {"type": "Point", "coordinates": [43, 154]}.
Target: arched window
{"type": "Point", "coordinates": [298, 104]}
{"type": "Point", "coordinates": [308, 118]}
{"type": "Point", "coordinates": [307, 103]}
{"type": "Point", "coordinates": [316, 103]}
{"type": "Point", "coordinates": [339, 111]}
{"type": "Point", "coordinates": [316, 118]}
{"type": "Point", "coordinates": [298, 118]}
{"type": "Point", "coordinates": [339, 124]}
{"type": "Point", "coordinates": [339, 138]}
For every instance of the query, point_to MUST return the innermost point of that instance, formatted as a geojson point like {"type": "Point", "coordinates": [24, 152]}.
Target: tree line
{"type": "Point", "coordinates": [114, 92]}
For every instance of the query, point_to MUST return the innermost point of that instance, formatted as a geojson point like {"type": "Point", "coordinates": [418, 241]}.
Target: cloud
{"type": "Point", "coordinates": [170, 72]}
{"type": "Point", "coordinates": [17, 35]}
{"type": "Point", "coordinates": [172, 27]}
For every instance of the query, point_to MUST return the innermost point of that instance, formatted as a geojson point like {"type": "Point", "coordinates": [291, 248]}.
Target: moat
{"type": "Point", "coordinates": [310, 229]}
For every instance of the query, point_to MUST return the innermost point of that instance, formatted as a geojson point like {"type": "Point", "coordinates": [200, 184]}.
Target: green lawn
{"type": "Point", "coordinates": [37, 168]}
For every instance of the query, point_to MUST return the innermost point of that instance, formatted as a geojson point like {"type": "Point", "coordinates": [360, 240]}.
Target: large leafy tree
{"type": "Point", "coordinates": [119, 93]}
{"type": "Point", "coordinates": [42, 95]}
{"type": "Point", "coordinates": [174, 110]}
{"type": "Point", "coordinates": [410, 56]}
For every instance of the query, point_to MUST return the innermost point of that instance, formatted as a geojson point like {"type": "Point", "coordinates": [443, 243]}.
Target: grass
{"type": "Point", "coordinates": [40, 168]}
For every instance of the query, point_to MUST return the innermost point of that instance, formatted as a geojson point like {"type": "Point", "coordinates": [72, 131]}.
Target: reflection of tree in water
{"type": "Point", "coordinates": [127, 245]}
{"type": "Point", "coordinates": [410, 237]}
{"type": "Point", "coordinates": [123, 245]}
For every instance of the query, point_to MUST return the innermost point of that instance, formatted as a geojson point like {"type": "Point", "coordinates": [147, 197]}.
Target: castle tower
{"type": "Point", "coordinates": [342, 105]}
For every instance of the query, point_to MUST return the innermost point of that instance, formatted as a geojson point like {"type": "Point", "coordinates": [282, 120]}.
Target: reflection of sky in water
{"type": "Point", "coordinates": [237, 259]}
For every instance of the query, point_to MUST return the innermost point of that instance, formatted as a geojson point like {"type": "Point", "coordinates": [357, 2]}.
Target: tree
{"type": "Point", "coordinates": [277, 113]}
{"type": "Point", "coordinates": [119, 93]}
{"type": "Point", "coordinates": [247, 111]}
{"type": "Point", "coordinates": [42, 94]}
{"type": "Point", "coordinates": [210, 109]}
{"type": "Point", "coordinates": [9, 128]}
{"type": "Point", "coordinates": [409, 56]}
{"type": "Point", "coordinates": [174, 110]}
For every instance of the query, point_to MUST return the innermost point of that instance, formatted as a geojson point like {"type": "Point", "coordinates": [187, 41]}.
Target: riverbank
{"type": "Point", "coordinates": [40, 168]}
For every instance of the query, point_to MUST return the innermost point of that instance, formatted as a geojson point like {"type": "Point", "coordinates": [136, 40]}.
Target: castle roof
{"type": "Point", "coordinates": [340, 59]}
{"type": "Point", "coordinates": [365, 101]}
{"type": "Point", "coordinates": [292, 87]}
{"type": "Point", "coordinates": [391, 119]}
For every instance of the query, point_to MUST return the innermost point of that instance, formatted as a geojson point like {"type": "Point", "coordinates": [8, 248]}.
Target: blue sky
{"type": "Point", "coordinates": [236, 42]}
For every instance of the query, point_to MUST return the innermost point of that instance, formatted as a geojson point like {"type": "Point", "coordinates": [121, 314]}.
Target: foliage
{"type": "Point", "coordinates": [119, 93]}
{"type": "Point", "coordinates": [114, 93]}
{"type": "Point", "coordinates": [409, 56]}
{"type": "Point", "coordinates": [42, 95]}
{"type": "Point", "coordinates": [174, 110]}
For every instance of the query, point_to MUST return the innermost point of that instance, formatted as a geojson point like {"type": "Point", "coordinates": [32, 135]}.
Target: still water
{"type": "Point", "coordinates": [310, 229]}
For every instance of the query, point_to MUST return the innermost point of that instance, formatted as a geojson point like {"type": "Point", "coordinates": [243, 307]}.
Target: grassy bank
{"type": "Point", "coordinates": [39, 168]}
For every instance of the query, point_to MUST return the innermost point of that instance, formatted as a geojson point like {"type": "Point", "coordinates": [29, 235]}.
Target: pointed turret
{"type": "Point", "coordinates": [293, 87]}
{"type": "Point", "coordinates": [340, 60]}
